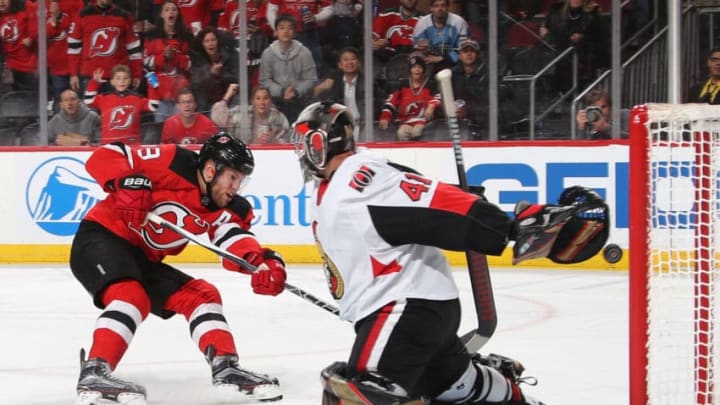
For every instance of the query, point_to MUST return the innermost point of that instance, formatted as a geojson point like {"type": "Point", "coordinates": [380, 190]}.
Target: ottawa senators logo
{"type": "Point", "coordinates": [362, 178]}
{"type": "Point", "coordinates": [104, 42]}
{"type": "Point", "coordinates": [157, 237]}
{"type": "Point", "coordinates": [332, 274]}
{"type": "Point", "coordinates": [121, 117]}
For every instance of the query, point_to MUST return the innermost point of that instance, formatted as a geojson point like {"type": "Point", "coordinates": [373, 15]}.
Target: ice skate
{"type": "Point", "coordinates": [237, 383]}
{"type": "Point", "coordinates": [96, 386]}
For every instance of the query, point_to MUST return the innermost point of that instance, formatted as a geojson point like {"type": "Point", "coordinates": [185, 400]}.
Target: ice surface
{"type": "Point", "coordinates": [569, 328]}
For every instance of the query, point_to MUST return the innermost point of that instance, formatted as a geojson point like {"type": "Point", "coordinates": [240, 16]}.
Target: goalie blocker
{"type": "Point", "coordinates": [570, 232]}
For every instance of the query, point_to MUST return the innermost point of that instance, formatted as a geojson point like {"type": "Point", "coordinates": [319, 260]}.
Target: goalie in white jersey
{"type": "Point", "coordinates": [380, 228]}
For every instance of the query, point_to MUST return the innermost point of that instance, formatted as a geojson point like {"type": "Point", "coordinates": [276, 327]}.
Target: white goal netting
{"type": "Point", "coordinates": [674, 240]}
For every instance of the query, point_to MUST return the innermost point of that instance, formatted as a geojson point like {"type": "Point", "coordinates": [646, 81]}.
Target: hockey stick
{"type": "Point", "coordinates": [477, 262]}
{"type": "Point", "coordinates": [242, 262]}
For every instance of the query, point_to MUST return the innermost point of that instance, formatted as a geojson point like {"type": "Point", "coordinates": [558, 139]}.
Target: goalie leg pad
{"type": "Point", "coordinates": [365, 389]}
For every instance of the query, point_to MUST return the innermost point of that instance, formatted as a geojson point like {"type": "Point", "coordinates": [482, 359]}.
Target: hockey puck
{"type": "Point", "coordinates": [612, 253]}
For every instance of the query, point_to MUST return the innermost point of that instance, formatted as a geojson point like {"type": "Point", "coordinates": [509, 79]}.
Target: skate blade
{"type": "Point", "coordinates": [95, 398]}
{"type": "Point", "coordinates": [229, 393]}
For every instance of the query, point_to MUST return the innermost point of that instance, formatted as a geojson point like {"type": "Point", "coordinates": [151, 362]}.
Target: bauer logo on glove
{"type": "Point", "coordinates": [136, 182]}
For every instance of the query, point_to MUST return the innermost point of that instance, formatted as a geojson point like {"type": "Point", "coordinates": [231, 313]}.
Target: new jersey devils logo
{"type": "Point", "coordinates": [187, 3]}
{"type": "Point", "coordinates": [104, 41]}
{"type": "Point", "coordinates": [160, 238]}
{"type": "Point", "coordinates": [401, 32]}
{"type": "Point", "coordinates": [414, 109]}
{"type": "Point", "coordinates": [121, 117]}
{"type": "Point", "coordinates": [9, 31]}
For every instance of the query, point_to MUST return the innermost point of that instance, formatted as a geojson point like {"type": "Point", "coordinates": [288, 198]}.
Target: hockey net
{"type": "Point", "coordinates": [674, 240]}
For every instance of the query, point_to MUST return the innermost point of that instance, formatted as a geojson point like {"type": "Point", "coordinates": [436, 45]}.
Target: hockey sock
{"type": "Point", "coordinates": [201, 304]}
{"type": "Point", "coordinates": [126, 306]}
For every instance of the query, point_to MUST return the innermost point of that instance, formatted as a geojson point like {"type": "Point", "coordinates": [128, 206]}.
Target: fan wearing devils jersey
{"type": "Point", "coordinates": [167, 53]}
{"type": "Point", "coordinates": [413, 105]}
{"type": "Point", "coordinates": [120, 109]}
{"type": "Point", "coordinates": [393, 29]}
{"type": "Point", "coordinates": [102, 37]}
{"type": "Point", "coordinates": [118, 258]}
{"type": "Point", "coordinates": [18, 40]}
{"type": "Point", "coordinates": [58, 27]}
{"type": "Point", "coordinates": [197, 13]}
{"type": "Point", "coordinates": [380, 228]}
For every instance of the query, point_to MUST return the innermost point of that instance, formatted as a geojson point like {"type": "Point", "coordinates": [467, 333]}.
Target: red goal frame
{"type": "Point", "coordinates": [641, 255]}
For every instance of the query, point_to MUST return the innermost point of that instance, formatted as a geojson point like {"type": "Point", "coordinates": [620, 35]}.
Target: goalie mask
{"type": "Point", "coordinates": [322, 130]}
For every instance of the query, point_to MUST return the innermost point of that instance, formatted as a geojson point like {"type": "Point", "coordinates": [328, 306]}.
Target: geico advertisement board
{"type": "Point", "coordinates": [48, 191]}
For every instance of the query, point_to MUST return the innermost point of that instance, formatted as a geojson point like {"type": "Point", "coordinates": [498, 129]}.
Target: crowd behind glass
{"type": "Point", "coordinates": [146, 72]}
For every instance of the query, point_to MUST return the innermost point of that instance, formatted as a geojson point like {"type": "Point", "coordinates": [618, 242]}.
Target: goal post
{"type": "Point", "coordinates": [674, 245]}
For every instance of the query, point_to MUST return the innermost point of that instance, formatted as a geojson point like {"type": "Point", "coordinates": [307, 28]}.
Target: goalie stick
{"type": "Point", "coordinates": [477, 262]}
{"type": "Point", "coordinates": [156, 219]}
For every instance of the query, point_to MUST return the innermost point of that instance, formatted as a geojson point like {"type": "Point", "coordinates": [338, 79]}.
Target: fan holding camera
{"type": "Point", "coordinates": [595, 119]}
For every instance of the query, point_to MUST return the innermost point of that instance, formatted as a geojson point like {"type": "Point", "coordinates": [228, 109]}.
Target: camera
{"type": "Point", "coordinates": [592, 114]}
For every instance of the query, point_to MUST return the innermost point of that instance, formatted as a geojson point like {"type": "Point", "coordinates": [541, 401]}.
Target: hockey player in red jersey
{"type": "Point", "coordinates": [118, 258]}
{"type": "Point", "coordinates": [380, 228]}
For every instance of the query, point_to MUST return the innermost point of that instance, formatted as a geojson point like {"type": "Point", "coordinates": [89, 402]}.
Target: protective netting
{"type": "Point", "coordinates": [682, 167]}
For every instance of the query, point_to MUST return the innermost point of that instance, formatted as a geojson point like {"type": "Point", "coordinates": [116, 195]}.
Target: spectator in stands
{"type": "Point", "coordinates": [707, 91]}
{"type": "Point", "coordinates": [197, 14]}
{"type": "Point", "coordinates": [267, 124]}
{"type": "Point", "coordinates": [577, 23]}
{"type": "Point", "coordinates": [393, 30]}
{"type": "Point", "coordinates": [75, 124]}
{"type": "Point", "coordinates": [343, 29]}
{"type": "Point", "coordinates": [438, 35]}
{"type": "Point", "coordinates": [187, 126]}
{"type": "Point", "coordinates": [214, 66]}
{"type": "Point", "coordinates": [413, 105]}
{"type": "Point", "coordinates": [470, 87]}
{"type": "Point", "coordinates": [346, 85]}
{"type": "Point", "coordinates": [259, 32]}
{"type": "Point", "coordinates": [596, 118]}
{"type": "Point", "coordinates": [167, 55]}
{"type": "Point", "coordinates": [307, 15]}
{"type": "Point", "coordinates": [101, 38]}
{"type": "Point", "coordinates": [140, 11]}
{"type": "Point", "coordinates": [58, 25]}
{"type": "Point", "coordinates": [287, 69]}
{"type": "Point", "coordinates": [120, 109]}
{"type": "Point", "coordinates": [18, 39]}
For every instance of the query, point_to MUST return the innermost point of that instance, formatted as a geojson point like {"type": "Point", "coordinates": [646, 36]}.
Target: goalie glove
{"type": "Point", "coordinates": [535, 229]}
{"type": "Point", "coordinates": [269, 279]}
{"type": "Point", "coordinates": [588, 229]}
{"type": "Point", "coordinates": [570, 232]}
